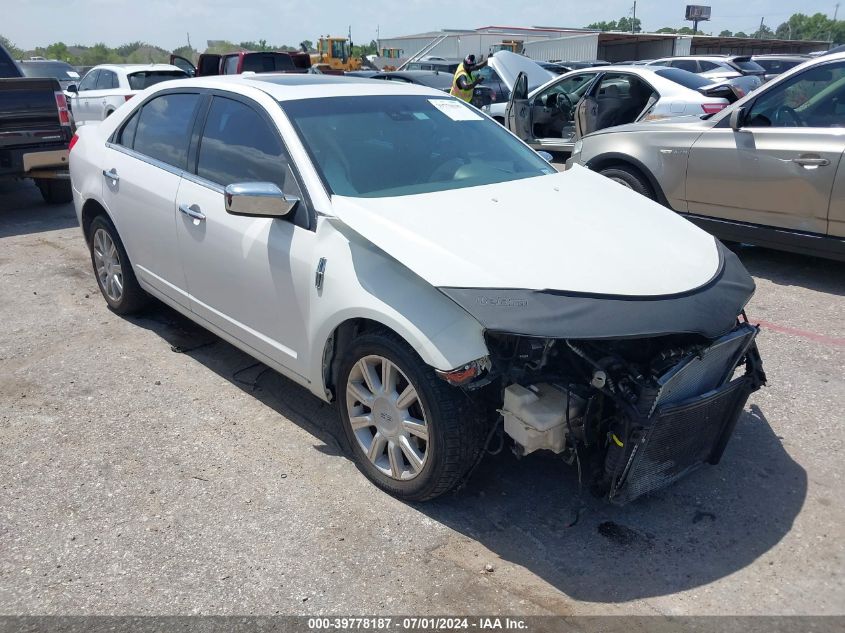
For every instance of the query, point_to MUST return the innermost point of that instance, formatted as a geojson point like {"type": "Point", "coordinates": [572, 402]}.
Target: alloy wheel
{"type": "Point", "coordinates": [387, 417]}
{"type": "Point", "coordinates": [107, 265]}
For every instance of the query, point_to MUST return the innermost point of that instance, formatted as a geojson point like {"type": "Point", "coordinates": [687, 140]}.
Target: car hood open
{"type": "Point", "coordinates": [565, 255]}
{"type": "Point", "coordinates": [508, 65]}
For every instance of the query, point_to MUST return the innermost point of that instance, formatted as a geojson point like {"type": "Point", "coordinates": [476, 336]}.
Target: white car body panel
{"type": "Point", "coordinates": [628, 238]}
{"type": "Point", "coordinates": [93, 106]}
{"type": "Point", "coordinates": [385, 256]}
{"type": "Point", "coordinates": [508, 66]}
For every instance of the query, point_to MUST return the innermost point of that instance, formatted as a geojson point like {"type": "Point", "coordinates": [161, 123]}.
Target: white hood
{"type": "Point", "coordinates": [574, 231]}
{"type": "Point", "coordinates": [508, 65]}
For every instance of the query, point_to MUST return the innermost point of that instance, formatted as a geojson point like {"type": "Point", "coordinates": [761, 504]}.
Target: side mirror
{"type": "Point", "coordinates": [72, 88]}
{"type": "Point", "coordinates": [545, 156]}
{"type": "Point", "coordinates": [258, 199]}
{"type": "Point", "coordinates": [737, 119]}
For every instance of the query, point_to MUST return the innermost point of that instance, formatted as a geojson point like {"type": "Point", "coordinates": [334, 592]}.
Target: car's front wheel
{"type": "Point", "coordinates": [629, 177]}
{"type": "Point", "coordinates": [113, 270]}
{"type": "Point", "coordinates": [409, 432]}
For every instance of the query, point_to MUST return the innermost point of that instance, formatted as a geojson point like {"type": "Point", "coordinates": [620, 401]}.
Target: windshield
{"type": "Point", "coordinates": [146, 78]}
{"type": "Point", "coordinates": [59, 70]}
{"type": "Point", "coordinates": [684, 78]}
{"type": "Point", "coordinates": [386, 145]}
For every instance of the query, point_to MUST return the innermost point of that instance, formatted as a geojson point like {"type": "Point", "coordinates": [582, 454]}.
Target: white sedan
{"type": "Point", "coordinates": [105, 88]}
{"type": "Point", "coordinates": [392, 250]}
{"type": "Point", "coordinates": [555, 115]}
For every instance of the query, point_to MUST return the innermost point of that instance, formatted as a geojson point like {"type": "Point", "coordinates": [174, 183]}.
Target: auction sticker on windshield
{"type": "Point", "coordinates": [455, 110]}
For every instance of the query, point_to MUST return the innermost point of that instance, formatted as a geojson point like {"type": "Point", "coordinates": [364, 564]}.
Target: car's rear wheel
{"type": "Point", "coordinates": [409, 432]}
{"type": "Point", "coordinates": [629, 177]}
{"type": "Point", "coordinates": [113, 270]}
{"type": "Point", "coordinates": [54, 191]}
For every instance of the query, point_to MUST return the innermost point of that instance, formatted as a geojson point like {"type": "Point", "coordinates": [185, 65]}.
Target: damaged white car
{"type": "Point", "coordinates": [396, 252]}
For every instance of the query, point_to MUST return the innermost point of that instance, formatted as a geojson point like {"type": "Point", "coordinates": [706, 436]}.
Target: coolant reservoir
{"type": "Point", "coordinates": [535, 416]}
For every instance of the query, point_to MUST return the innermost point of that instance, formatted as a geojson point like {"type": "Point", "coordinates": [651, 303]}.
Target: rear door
{"type": "Point", "coordinates": [779, 169]}
{"type": "Point", "coordinates": [518, 113]}
{"type": "Point", "coordinates": [248, 276]}
{"type": "Point", "coordinates": [142, 169]}
{"type": "Point", "coordinates": [108, 95]}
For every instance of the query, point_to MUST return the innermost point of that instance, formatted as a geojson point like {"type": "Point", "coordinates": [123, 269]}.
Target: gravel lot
{"type": "Point", "coordinates": [139, 479]}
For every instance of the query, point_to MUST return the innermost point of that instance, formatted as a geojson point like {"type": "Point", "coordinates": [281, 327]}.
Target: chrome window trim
{"type": "Point", "coordinates": [168, 168]}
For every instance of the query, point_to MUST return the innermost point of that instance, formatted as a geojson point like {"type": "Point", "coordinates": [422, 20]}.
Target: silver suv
{"type": "Point", "coordinates": [766, 170]}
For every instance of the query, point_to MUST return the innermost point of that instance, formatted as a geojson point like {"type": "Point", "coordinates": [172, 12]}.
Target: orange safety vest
{"type": "Point", "coordinates": [466, 95]}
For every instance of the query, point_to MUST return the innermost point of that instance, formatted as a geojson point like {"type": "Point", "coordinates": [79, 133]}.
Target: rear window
{"type": "Point", "coordinates": [59, 70]}
{"type": "Point", "coordinates": [146, 78]}
{"type": "Point", "coordinates": [683, 78]}
{"type": "Point", "coordinates": [267, 62]}
{"type": "Point", "coordinates": [749, 66]}
{"type": "Point", "coordinates": [777, 65]}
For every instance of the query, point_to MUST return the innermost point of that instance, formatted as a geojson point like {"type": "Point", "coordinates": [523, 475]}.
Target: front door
{"type": "Point", "coordinates": [142, 173]}
{"type": "Point", "coordinates": [79, 103]}
{"type": "Point", "coordinates": [518, 113]}
{"type": "Point", "coordinates": [553, 109]}
{"type": "Point", "coordinates": [183, 64]}
{"type": "Point", "coordinates": [779, 168]}
{"type": "Point", "coordinates": [251, 277]}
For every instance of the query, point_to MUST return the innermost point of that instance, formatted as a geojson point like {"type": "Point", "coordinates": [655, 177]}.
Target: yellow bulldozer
{"type": "Point", "coordinates": [334, 55]}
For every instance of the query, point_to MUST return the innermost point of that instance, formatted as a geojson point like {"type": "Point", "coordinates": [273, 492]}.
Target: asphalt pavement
{"type": "Point", "coordinates": [147, 467]}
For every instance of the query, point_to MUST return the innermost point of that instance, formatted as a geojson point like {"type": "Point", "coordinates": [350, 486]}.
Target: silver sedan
{"type": "Point", "coordinates": [558, 113]}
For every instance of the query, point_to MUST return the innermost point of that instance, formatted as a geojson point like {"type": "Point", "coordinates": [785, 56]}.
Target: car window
{"type": "Point", "coordinates": [490, 75]}
{"type": "Point", "coordinates": [683, 78]}
{"type": "Point", "coordinates": [705, 65]}
{"type": "Point", "coordinates": [777, 66]}
{"type": "Point", "coordinates": [813, 98]}
{"type": "Point", "coordinates": [59, 70]}
{"type": "Point", "coordinates": [749, 66]}
{"type": "Point", "coordinates": [89, 82]}
{"type": "Point", "coordinates": [574, 87]}
{"type": "Point", "coordinates": [164, 128]}
{"type": "Point", "coordinates": [266, 62]}
{"type": "Point", "coordinates": [8, 68]}
{"type": "Point", "coordinates": [231, 65]}
{"type": "Point", "coordinates": [107, 80]}
{"type": "Point", "coordinates": [239, 145]}
{"type": "Point", "coordinates": [126, 135]}
{"type": "Point", "coordinates": [392, 145]}
{"type": "Point", "coordinates": [689, 65]}
{"type": "Point", "coordinates": [146, 78]}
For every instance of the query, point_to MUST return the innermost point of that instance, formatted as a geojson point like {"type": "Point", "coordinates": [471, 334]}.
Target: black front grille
{"type": "Point", "coordinates": [680, 437]}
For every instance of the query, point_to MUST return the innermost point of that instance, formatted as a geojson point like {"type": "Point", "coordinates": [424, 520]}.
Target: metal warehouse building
{"type": "Point", "coordinates": [551, 43]}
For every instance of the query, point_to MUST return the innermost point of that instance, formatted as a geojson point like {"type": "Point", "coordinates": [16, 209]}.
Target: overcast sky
{"type": "Point", "coordinates": [30, 23]}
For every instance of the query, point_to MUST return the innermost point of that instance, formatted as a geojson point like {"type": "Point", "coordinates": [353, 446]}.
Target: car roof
{"type": "Point", "coordinates": [289, 87]}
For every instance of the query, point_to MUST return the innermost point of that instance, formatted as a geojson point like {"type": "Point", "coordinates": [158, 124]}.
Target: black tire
{"type": "Point", "coordinates": [132, 298]}
{"type": "Point", "coordinates": [455, 432]}
{"type": "Point", "coordinates": [631, 178]}
{"type": "Point", "coordinates": [54, 191]}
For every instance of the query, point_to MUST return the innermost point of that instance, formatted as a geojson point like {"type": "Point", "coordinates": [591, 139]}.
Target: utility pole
{"type": "Point", "coordinates": [760, 30]}
{"type": "Point", "coordinates": [634, 19]}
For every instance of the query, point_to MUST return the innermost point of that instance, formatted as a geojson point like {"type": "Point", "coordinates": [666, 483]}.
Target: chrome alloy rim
{"type": "Point", "coordinates": [107, 265]}
{"type": "Point", "coordinates": [387, 417]}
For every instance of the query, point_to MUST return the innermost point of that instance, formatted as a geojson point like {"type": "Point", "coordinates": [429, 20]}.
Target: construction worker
{"type": "Point", "coordinates": [464, 80]}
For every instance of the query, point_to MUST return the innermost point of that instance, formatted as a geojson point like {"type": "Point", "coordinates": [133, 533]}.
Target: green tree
{"type": "Point", "coordinates": [740, 34]}
{"type": "Point", "coordinates": [306, 46]}
{"type": "Point", "coordinates": [604, 26]}
{"type": "Point", "coordinates": [667, 29]}
{"type": "Point", "coordinates": [628, 25]}
{"type": "Point", "coordinates": [14, 51]}
{"type": "Point", "coordinates": [187, 52]}
{"type": "Point", "coordinates": [99, 54]}
{"type": "Point", "coordinates": [726, 33]}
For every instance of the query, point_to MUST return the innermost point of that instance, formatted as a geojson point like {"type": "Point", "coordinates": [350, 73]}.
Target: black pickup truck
{"type": "Point", "coordinates": [35, 130]}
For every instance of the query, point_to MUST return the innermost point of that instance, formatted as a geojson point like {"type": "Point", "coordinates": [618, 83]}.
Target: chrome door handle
{"type": "Point", "coordinates": [192, 211]}
{"type": "Point", "coordinates": [806, 161]}
{"type": "Point", "coordinates": [111, 174]}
